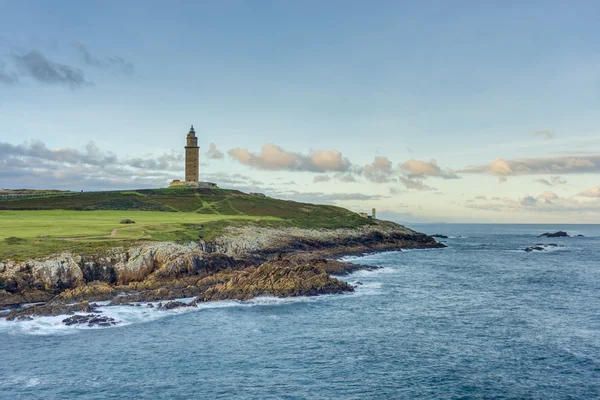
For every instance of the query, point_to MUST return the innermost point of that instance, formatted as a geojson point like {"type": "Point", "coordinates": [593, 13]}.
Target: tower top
{"type": "Point", "coordinates": [192, 133]}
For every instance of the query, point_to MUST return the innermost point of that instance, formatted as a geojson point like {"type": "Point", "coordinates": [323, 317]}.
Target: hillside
{"type": "Point", "coordinates": [84, 222]}
{"type": "Point", "coordinates": [202, 201]}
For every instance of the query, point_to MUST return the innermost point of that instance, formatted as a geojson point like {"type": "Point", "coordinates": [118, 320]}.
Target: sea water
{"type": "Point", "coordinates": [481, 318]}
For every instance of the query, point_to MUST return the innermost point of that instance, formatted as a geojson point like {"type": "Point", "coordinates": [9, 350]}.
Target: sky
{"type": "Point", "coordinates": [429, 111]}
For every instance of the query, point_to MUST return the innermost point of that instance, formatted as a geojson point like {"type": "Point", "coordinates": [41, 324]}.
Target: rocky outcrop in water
{"type": "Point", "coordinates": [554, 234]}
{"type": "Point", "coordinates": [542, 247]}
{"type": "Point", "coordinates": [90, 320]}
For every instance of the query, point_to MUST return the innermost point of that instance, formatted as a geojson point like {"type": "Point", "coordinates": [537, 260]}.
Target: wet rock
{"type": "Point", "coordinates": [150, 305]}
{"type": "Point", "coordinates": [175, 304]}
{"type": "Point", "coordinates": [52, 309]}
{"type": "Point", "coordinates": [439, 236]}
{"type": "Point", "coordinates": [554, 234]}
{"type": "Point", "coordinates": [542, 247]}
{"type": "Point", "coordinates": [358, 283]}
{"type": "Point", "coordinates": [89, 320]}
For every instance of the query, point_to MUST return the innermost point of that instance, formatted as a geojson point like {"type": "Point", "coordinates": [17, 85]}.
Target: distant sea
{"type": "Point", "coordinates": [479, 319]}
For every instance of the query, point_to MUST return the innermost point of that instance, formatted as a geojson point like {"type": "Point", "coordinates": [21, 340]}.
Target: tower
{"type": "Point", "coordinates": [191, 158]}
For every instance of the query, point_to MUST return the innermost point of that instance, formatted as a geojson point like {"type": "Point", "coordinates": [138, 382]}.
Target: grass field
{"type": "Point", "coordinates": [82, 222]}
{"type": "Point", "coordinates": [71, 224]}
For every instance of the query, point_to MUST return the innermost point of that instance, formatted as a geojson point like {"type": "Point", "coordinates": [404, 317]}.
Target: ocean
{"type": "Point", "coordinates": [479, 319]}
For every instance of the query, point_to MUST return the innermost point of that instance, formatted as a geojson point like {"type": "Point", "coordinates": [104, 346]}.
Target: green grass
{"type": "Point", "coordinates": [37, 226]}
{"type": "Point", "coordinates": [72, 224]}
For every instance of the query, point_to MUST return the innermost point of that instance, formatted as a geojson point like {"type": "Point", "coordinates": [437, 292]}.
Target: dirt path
{"type": "Point", "coordinates": [113, 233]}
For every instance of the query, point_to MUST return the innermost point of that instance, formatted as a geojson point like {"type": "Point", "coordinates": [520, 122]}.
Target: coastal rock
{"type": "Point", "coordinates": [554, 234]}
{"type": "Point", "coordinates": [51, 309]}
{"type": "Point", "coordinates": [439, 236]}
{"type": "Point", "coordinates": [275, 279]}
{"type": "Point", "coordinates": [542, 247]}
{"type": "Point", "coordinates": [171, 305]}
{"type": "Point", "coordinates": [245, 242]}
{"type": "Point", "coordinates": [59, 272]}
{"type": "Point", "coordinates": [93, 291]}
{"type": "Point", "coordinates": [89, 320]}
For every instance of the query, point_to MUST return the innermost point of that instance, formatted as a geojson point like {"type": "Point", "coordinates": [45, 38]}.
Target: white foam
{"type": "Point", "coordinates": [546, 248]}
{"type": "Point", "coordinates": [126, 314]}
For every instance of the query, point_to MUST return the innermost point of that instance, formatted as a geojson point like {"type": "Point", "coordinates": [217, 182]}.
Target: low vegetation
{"type": "Point", "coordinates": [89, 222]}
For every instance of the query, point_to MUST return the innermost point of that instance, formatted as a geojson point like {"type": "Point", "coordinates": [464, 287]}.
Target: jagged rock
{"type": "Point", "coordinates": [60, 272]}
{"type": "Point", "coordinates": [554, 234]}
{"type": "Point", "coordinates": [439, 236]}
{"type": "Point", "coordinates": [93, 291]}
{"type": "Point", "coordinates": [150, 305]}
{"type": "Point", "coordinates": [51, 309]}
{"type": "Point", "coordinates": [90, 320]}
{"type": "Point", "coordinates": [330, 266]}
{"type": "Point", "coordinates": [542, 247]}
{"type": "Point", "coordinates": [175, 304]}
{"type": "Point", "coordinates": [275, 279]}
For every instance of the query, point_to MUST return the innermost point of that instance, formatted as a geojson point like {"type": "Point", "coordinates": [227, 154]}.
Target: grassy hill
{"type": "Point", "coordinates": [84, 222]}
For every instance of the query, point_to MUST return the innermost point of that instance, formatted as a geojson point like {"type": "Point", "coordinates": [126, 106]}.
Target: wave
{"type": "Point", "coordinates": [141, 313]}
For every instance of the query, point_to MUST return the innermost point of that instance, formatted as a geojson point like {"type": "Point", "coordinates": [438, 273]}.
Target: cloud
{"type": "Point", "coordinates": [415, 184]}
{"type": "Point", "coordinates": [275, 158]}
{"type": "Point", "coordinates": [214, 153]}
{"type": "Point", "coordinates": [422, 169]}
{"type": "Point", "coordinates": [110, 62]}
{"type": "Point", "coordinates": [321, 178]}
{"type": "Point", "coordinates": [7, 78]}
{"type": "Point", "coordinates": [322, 197]}
{"type": "Point", "coordinates": [547, 196]}
{"type": "Point", "coordinates": [593, 191]}
{"type": "Point", "coordinates": [33, 164]}
{"type": "Point", "coordinates": [537, 166]}
{"type": "Point", "coordinates": [35, 65]}
{"type": "Point", "coordinates": [545, 133]}
{"type": "Point", "coordinates": [347, 178]}
{"type": "Point", "coordinates": [379, 171]}
{"type": "Point", "coordinates": [395, 190]}
{"type": "Point", "coordinates": [554, 181]}
{"type": "Point", "coordinates": [544, 202]}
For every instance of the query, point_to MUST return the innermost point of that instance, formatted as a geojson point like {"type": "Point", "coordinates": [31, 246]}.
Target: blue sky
{"type": "Point", "coordinates": [477, 111]}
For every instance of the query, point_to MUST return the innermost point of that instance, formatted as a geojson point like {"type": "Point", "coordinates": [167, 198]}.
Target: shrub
{"type": "Point", "coordinates": [126, 221]}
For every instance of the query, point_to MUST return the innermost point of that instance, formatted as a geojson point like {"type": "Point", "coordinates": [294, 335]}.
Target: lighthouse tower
{"type": "Point", "coordinates": [192, 158]}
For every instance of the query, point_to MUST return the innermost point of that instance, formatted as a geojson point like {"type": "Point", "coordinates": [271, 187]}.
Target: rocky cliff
{"type": "Point", "coordinates": [243, 263]}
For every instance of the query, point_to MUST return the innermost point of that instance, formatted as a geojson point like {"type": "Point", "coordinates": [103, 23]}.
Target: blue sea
{"type": "Point", "coordinates": [480, 319]}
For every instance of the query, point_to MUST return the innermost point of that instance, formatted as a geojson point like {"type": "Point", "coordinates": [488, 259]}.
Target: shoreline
{"type": "Point", "coordinates": [289, 264]}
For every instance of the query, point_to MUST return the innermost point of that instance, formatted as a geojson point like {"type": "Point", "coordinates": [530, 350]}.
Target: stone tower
{"type": "Point", "coordinates": [192, 156]}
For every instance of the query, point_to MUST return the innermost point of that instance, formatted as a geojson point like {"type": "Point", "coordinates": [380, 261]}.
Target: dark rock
{"type": "Point", "coordinates": [580, 236]}
{"type": "Point", "coordinates": [358, 283]}
{"type": "Point", "coordinates": [90, 320]}
{"type": "Point", "coordinates": [541, 247]}
{"type": "Point", "coordinates": [439, 236]}
{"type": "Point", "coordinates": [175, 304]}
{"type": "Point", "coordinates": [554, 234]}
{"type": "Point", "coordinates": [51, 309]}
{"type": "Point", "coordinates": [150, 305]}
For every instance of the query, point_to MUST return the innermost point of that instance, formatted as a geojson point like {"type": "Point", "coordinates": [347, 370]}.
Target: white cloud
{"type": "Point", "coordinates": [275, 158]}
{"type": "Point", "coordinates": [593, 191]}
